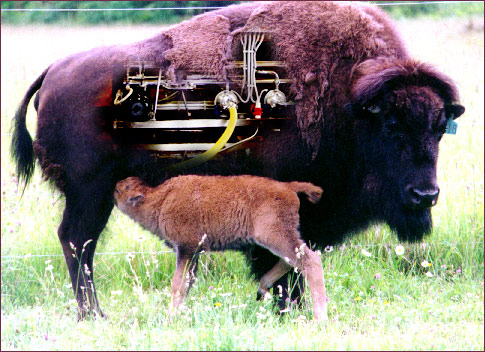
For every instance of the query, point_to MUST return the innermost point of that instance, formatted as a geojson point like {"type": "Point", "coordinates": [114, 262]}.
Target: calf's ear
{"type": "Point", "coordinates": [134, 201]}
{"type": "Point", "coordinates": [454, 110]}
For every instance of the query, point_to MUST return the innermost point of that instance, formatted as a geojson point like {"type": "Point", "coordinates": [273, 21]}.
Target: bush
{"type": "Point", "coordinates": [99, 17]}
{"type": "Point", "coordinates": [437, 10]}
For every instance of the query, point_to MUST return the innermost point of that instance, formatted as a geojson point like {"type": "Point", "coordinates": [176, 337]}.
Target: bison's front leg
{"type": "Point", "coordinates": [87, 210]}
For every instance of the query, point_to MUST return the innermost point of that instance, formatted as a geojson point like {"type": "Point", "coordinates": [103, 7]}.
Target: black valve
{"type": "Point", "coordinates": [137, 107]}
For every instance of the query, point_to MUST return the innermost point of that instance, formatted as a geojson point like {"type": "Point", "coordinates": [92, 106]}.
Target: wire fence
{"type": "Point", "coordinates": [218, 7]}
{"type": "Point", "coordinates": [27, 256]}
{"type": "Point", "coordinates": [117, 9]}
{"type": "Point", "coordinates": [341, 247]}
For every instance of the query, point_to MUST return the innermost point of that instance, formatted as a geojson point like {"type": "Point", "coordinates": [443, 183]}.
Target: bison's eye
{"type": "Point", "coordinates": [440, 128]}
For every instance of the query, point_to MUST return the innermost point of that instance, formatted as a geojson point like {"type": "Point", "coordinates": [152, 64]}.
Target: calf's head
{"type": "Point", "coordinates": [400, 112]}
{"type": "Point", "coordinates": [129, 193]}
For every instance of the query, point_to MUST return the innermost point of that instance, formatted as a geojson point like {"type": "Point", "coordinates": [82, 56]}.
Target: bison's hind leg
{"type": "Point", "coordinates": [88, 207]}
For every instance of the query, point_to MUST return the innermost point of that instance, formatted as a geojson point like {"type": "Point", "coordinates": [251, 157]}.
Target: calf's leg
{"type": "Point", "coordinates": [294, 252]}
{"type": "Point", "coordinates": [313, 272]}
{"type": "Point", "coordinates": [288, 288]}
{"type": "Point", "coordinates": [184, 275]}
{"type": "Point", "coordinates": [271, 277]}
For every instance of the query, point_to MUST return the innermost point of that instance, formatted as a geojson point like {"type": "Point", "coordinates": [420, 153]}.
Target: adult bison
{"type": "Point", "coordinates": [367, 123]}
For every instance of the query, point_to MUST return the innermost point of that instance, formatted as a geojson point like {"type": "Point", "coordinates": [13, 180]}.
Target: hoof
{"type": "Point", "coordinates": [263, 295]}
{"type": "Point", "coordinates": [91, 314]}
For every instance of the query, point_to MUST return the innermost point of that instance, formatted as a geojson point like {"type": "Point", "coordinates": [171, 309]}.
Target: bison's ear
{"type": "Point", "coordinates": [358, 111]}
{"type": "Point", "coordinates": [454, 111]}
{"type": "Point", "coordinates": [134, 201]}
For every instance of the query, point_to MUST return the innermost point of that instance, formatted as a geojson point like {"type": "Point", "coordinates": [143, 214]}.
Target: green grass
{"type": "Point", "coordinates": [378, 300]}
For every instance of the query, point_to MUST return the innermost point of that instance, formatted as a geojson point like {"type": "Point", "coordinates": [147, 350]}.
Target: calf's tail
{"type": "Point", "coordinates": [313, 193]}
{"type": "Point", "coordinates": [21, 149]}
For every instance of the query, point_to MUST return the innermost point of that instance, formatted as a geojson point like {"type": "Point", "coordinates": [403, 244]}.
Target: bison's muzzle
{"type": "Point", "coordinates": [421, 198]}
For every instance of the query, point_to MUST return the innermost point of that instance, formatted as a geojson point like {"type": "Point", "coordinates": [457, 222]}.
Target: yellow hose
{"type": "Point", "coordinates": [216, 148]}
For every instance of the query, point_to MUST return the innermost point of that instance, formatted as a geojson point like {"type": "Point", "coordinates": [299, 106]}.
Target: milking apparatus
{"type": "Point", "coordinates": [178, 120]}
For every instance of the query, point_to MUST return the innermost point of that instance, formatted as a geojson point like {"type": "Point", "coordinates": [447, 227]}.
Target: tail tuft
{"type": "Point", "coordinates": [313, 193]}
{"type": "Point", "coordinates": [22, 150]}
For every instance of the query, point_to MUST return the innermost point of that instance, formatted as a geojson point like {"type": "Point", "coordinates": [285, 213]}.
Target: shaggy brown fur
{"type": "Point", "coordinates": [195, 213]}
{"type": "Point", "coordinates": [313, 38]}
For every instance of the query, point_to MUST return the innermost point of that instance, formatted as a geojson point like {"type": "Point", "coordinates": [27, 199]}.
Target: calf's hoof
{"type": "Point", "coordinates": [321, 316]}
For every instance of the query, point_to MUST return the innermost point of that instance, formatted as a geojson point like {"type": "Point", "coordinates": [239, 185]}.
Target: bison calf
{"type": "Point", "coordinates": [195, 213]}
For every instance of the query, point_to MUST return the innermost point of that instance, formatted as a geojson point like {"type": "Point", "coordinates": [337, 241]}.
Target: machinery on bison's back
{"type": "Point", "coordinates": [313, 91]}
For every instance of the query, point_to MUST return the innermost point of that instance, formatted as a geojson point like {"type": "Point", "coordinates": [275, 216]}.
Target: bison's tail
{"type": "Point", "coordinates": [313, 193]}
{"type": "Point", "coordinates": [21, 149]}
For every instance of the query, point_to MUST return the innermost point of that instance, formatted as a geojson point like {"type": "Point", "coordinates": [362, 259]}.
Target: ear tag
{"type": "Point", "coordinates": [451, 126]}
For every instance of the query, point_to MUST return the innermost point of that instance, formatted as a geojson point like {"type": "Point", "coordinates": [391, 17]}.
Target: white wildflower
{"type": "Point", "coordinates": [130, 256]}
{"type": "Point", "coordinates": [366, 253]}
{"type": "Point", "coordinates": [399, 250]}
{"type": "Point", "coordinates": [260, 316]}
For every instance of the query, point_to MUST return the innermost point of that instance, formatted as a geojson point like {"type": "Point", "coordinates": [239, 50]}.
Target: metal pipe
{"type": "Point", "coordinates": [216, 148]}
{"type": "Point", "coordinates": [158, 91]}
{"type": "Point", "coordinates": [191, 105]}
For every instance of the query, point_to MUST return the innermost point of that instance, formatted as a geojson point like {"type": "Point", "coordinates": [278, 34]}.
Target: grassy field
{"type": "Point", "coordinates": [429, 298]}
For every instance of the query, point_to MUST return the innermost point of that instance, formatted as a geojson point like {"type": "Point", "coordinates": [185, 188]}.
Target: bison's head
{"type": "Point", "coordinates": [400, 112]}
